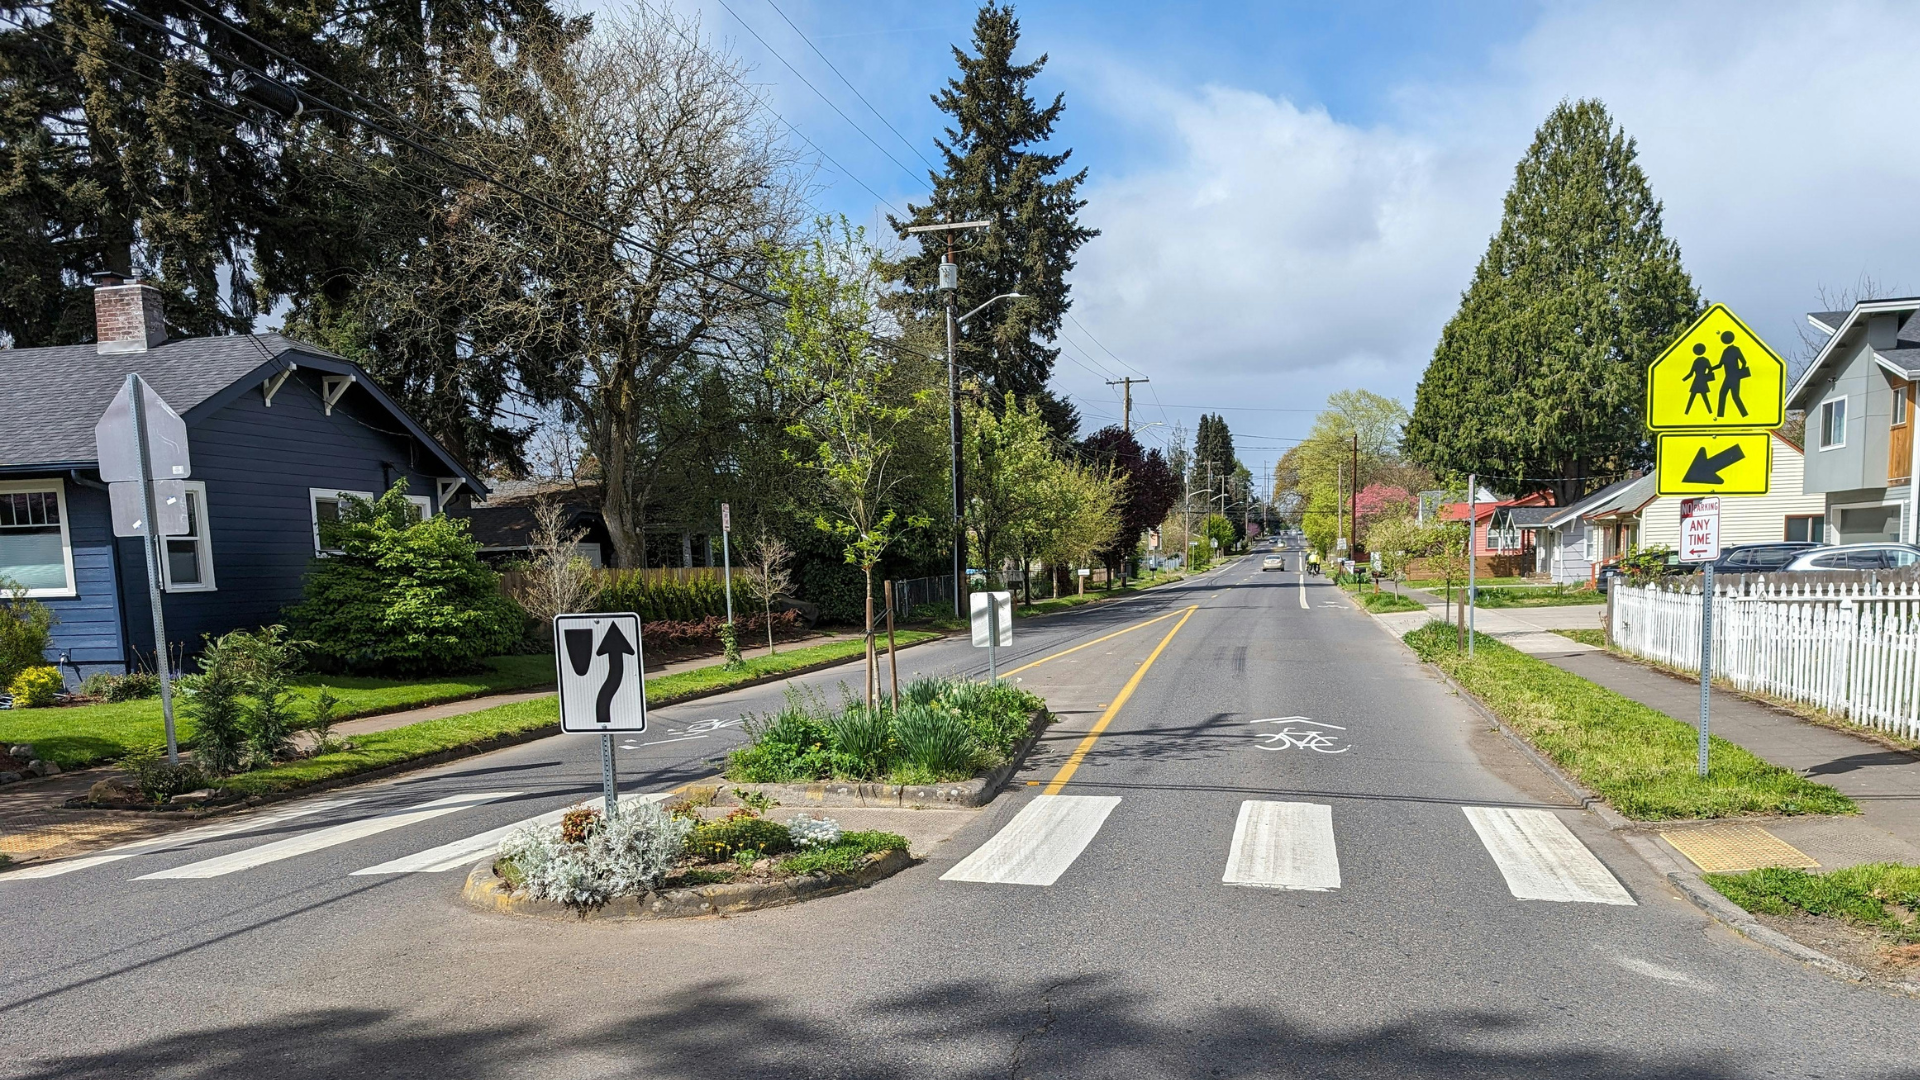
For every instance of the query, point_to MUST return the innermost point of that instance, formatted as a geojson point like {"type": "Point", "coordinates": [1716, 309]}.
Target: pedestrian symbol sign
{"type": "Point", "coordinates": [1718, 374]}
{"type": "Point", "coordinates": [1715, 462]}
{"type": "Point", "coordinates": [600, 673]}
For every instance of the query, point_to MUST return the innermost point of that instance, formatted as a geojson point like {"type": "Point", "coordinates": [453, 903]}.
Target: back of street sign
{"type": "Point", "coordinates": [118, 447]}
{"type": "Point", "coordinates": [599, 661]}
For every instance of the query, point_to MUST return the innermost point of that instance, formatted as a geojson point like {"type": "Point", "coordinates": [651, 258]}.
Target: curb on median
{"type": "Point", "coordinates": [484, 890]}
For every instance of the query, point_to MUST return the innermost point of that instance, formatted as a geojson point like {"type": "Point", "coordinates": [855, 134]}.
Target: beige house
{"type": "Point", "coordinates": [1784, 513]}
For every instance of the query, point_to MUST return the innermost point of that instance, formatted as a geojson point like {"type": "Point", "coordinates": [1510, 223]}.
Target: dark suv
{"type": "Point", "coordinates": [1760, 558]}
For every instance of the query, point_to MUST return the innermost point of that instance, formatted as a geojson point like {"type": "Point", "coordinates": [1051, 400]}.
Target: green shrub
{"type": "Point", "coordinates": [845, 855]}
{"type": "Point", "coordinates": [713, 841]}
{"type": "Point", "coordinates": [25, 625]}
{"type": "Point", "coordinates": [159, 780]}
{"type": "Point", "coordinates": [862, 741]}
{"type": "Point", "coordinates": [934, 744]}
{"type": "Point", "coordinates": [998, 714]}
{"type": "Point", "coordinates": [662, 599]}
{"type": "Point", "coordinates": [240, 704]}
{"type": "Point", "coordinates": [36, 687]}
{"type": "Point", "coordinates": [399, 595]}
{"type": "Point", "coordinates": [214, 704]}
{"type": "Point", "coordinates": [133, 686]}
{"type": "Point", "coordinates": [793, 744]}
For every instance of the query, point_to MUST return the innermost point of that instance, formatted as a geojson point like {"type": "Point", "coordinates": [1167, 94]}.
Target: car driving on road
{"type": "Point", "coordinates": [1273, 562]}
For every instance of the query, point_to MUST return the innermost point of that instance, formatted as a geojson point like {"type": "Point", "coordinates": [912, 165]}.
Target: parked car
{"type": "Point", "coordinates": [1273, 562]}
{"type": "Point", "coordinates": [1759, 558]}
{"type": "Point", "coordinates": [1856, 557]}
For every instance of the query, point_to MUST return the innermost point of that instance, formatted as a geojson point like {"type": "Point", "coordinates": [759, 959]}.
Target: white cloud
{"type": "Point", "coordinates": [1272, 253]}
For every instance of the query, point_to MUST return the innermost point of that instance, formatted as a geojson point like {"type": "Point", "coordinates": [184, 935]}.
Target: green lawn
{"type": "Point", "coordinates": [1062, 603]}
{"type": "Point", "coordinates": [1880, 896]}
{"type": "Point", "coordinates": [1538, 596]}
{"type": "Point", "coordinates": [1595, 638]}
{"type": "Point", "coordinates": [1638, 759]}
{"type": "Point", "coordinates": [1441, 583]}
{"type": "Point", "coordinates": [1382, 602]}
{"type": "Point", "coordinates": [84, 734]}
{"type": "Point", "coordinates": [402, 744]}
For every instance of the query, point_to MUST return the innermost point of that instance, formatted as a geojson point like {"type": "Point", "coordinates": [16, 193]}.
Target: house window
{"type": "Point", "coordinates": [326, 508]}
{"type": "Point", "coordinates": [1833, 423]}
{"type": "Point", "coordinates": [190, 557]}
{"type": "Point", "coordinates": [1807, 528]}
{"type": "Point", "coordinates": [36, 551]}
{"type": "Point", "coordinates": [1900, 405]}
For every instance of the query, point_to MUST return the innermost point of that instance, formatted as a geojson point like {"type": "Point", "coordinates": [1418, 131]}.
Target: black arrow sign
{"type": "Point", "coordinates": [616, 649]}
{"type": "Point", "coordinates": [1706, 470]}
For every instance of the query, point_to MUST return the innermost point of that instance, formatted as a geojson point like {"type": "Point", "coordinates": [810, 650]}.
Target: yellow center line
{"type": "Point", "coordinates": [1080, 752]}
{"type": "Point", "coordinates": [1095, 641]}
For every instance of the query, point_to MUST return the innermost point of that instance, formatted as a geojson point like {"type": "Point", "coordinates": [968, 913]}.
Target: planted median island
{"type": "Point", "coordinates": [733, 845]}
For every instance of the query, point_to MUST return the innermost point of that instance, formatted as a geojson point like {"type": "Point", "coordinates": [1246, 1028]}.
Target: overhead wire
{"type": "Point", "coordinates": [849, 85]}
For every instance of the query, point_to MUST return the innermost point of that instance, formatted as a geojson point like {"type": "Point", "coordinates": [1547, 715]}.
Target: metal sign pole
{"type": "Point", "coordinates": [153, 541]}
{"type": "Point", "coordinates": [993, 639]}
{"type": "Point", "coordinates": [726, 557]}
{"type": "Point", "coordinates": [1473, 526]}
{"type": "Point", "coordinates": [1706, 658]}
{"type": "Point", "coordinates": [607, 776]}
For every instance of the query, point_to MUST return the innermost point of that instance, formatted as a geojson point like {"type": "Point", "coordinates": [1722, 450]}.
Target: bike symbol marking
{"type": "Point", "coordinates": [1296, 737]}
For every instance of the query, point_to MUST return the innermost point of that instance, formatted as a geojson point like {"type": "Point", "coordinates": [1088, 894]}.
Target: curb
{"type": "Point", "coordinates": [976, 792]}
{"type": "Point", "coordinates": [1586, 799]}
{"type": "Point", "coordinates": [483, 890]}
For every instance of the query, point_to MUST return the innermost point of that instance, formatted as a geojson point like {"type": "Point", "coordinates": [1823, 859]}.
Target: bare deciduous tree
{"type": "Point", "coordinates": [559, 579]}
{"type": "Point", "coordinates": [766, 569]}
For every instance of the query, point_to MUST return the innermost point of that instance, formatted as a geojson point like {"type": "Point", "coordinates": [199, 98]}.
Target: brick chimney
{"type": "Point", "coordinates": [127, 315]}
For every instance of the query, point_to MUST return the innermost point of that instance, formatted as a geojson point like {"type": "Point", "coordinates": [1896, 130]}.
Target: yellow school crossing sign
{"type": "Point", "coordinates": [1718, 374]}
{"type": "Point", "coordinates": [1712, 396]}
{"type": "Point", "coordinates": [1715, 462]}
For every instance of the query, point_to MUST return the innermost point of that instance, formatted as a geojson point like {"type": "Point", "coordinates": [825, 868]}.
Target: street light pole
{"type": "Point", "coordinates": [950, 284]}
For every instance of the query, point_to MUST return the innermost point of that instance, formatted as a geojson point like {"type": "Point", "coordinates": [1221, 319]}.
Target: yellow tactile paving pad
{"type": "Point", "coordinates": [36, 841]}
{"type": "Point", "coordinates": [1718, 849]}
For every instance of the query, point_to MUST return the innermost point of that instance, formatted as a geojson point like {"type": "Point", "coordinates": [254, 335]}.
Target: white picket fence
{"type": "Point", "coordinates": [1846, 643]}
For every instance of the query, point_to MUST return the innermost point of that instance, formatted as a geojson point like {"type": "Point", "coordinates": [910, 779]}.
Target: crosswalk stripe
{"type": "Point", "coordinates": [1283, 845]}
{"type": "Point", "coordinates": [464, 852]}
{"type": "Point", "coordinates": [319, 839]}
{"type": "Point", "coordinates": [175, 841]}
{"type": "Point", "coordinates": [1041, 841]}
{"type": "Point", "coordinates": [1542, 859]}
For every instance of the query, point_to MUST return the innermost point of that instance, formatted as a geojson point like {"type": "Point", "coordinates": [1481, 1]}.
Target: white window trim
{"type": "Point", "coordinates": [204, 549]}
{"type": "Point", "coordinates": [59, 488]}
{"type": "Point", "coordinates": [1846, 417]}
{"type": "Point", "coordinates": [314, 495]}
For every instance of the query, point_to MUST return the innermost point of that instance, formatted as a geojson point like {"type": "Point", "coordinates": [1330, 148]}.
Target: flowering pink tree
{"type": "Point", "coordinates": [1380, 501]}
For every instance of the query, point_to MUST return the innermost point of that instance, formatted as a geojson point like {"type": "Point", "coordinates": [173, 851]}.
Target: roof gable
{"type": "Point", "coordinates": [1845, 333]}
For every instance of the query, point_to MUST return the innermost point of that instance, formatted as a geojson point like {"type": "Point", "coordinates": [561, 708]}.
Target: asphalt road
{"type": "Point", "coordinates": [1275, 712]}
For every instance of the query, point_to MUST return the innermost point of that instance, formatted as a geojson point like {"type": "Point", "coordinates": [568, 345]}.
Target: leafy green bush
{"type": "Point", "coordinates": [793, 744]}
{"type": "Point", "coordinates": [214, 704]}
{"type": "Point", "coordinates": [159, 780]}
{"type": "Point", "coordinates": [400, 595]}
{"type": "Point", "coordinates": [36, 687]}
{"type": "Point", "coordinates": [999, 714]}
{"type": "Point", "coordinates": [133, 686]}
{"type": "Point", "coordinates": [712, 841]}
{"type": "Point", "coordinates": [862, 741]}
{"type": "Point", "coordinates": [845, 855]}
{"type": "Point", "coordinates": [934, 744]}
{"type": "Point", "coordinates": [240, 704]}
{"type": "Point", "coordinates": [662, 599]}
{"type": "Point", "coordinates": [25, 625]}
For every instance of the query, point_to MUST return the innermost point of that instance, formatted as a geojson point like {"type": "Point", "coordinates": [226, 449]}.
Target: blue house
{"type": "Point", "coordinates": [278, 432]}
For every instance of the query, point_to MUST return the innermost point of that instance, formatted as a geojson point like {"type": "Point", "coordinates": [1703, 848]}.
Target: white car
{"type": "Point", "coordinates": [1273, 562]}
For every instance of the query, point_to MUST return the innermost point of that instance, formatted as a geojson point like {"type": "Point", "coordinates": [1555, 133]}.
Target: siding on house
{"type": "Point", "coordinates": [1861, 462]}
{"type": "Point", "coordinates": [87, 628]}
{"type": "Point", "coordinates": [1744, 519]}
{"type": "Point", "coordinates": [258, 464]}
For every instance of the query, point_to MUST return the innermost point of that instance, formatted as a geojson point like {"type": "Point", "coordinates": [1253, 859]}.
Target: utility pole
{"type": "Point", "coordinates": [950, 284]}
{"type": "Point", "coordinates": [1126, 400]}
{"type": "Point", "coordinates": [1353, 539]}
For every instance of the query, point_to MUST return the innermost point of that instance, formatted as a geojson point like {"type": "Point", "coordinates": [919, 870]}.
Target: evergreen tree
{"type": "Point", "coordinates": [1539, 380]}
{"type": "Point", "coordinates": [995, 171]}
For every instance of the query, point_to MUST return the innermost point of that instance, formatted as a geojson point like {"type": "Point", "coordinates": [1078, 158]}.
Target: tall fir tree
{"type": "Point", "coordinates": [995, 170]}
{"type": "Point", "coordinates": [1539, 379]}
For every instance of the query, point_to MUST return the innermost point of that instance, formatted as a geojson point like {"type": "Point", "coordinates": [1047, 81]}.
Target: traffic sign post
{"type": "Point", "coordinates": [992, 626]}
{"type": "Point", "coordinates": [1700, 543]}
{"type": "Point", "coordinates": [141, 446]}
{"type": "Point", "coordinates": [598, 694]}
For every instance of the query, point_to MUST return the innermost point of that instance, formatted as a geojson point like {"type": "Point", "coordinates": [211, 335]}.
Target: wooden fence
{"type": "Point", "coordinates": [1845, 643]}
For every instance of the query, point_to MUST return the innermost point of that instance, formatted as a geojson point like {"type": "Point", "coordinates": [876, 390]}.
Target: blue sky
{"type": "Point", "coordinates": [1293, 195]}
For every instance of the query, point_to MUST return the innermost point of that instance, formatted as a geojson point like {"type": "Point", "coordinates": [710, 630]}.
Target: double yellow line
{"type": "Point", "coordinates": [1093, 735]}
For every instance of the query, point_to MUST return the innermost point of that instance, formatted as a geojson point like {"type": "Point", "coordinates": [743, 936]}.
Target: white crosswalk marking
{"type": "Point", "coordinates": [175, 841]}
{"type": "Point", "coordinates": [325, 838]}
{"type": "Point", "coordinates": [1542, 859]}
{"type": "Point", "coordinates": [1041, 841]}
{"type": "Point", "coordinates": [460, 854]}
{"type": "Point", "coordinates": [1283, 845]}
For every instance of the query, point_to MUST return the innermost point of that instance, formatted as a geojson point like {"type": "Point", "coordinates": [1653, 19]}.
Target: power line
{"type": "Point", "coordinates": [817, 92]}
{"type": "Point", "coordinates": [849, 85]}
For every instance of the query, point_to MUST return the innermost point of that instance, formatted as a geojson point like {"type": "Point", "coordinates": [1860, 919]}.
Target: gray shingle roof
{"type": "Point", "coordinates": [1829, 319]}
{"type": "Point", "coordinates": [1528, 517]}
{"type": "Point", "coordinates": [1907, 360]}
{"type": "Point", "coordinates": [1594, 502]}
{"type": "Point", "coordinates": [51, 398]}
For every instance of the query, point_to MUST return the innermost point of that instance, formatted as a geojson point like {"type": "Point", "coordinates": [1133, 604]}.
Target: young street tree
{"type": "Point", "coordinates": [1540, 377]}
{"type": "Point", "coordinates": [766, 569]}
{"type": "Point", "coordinates": [995, 171]}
